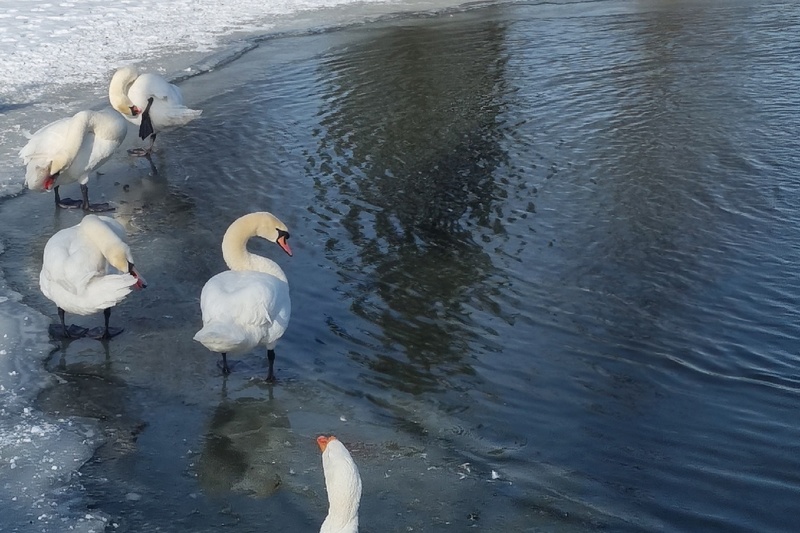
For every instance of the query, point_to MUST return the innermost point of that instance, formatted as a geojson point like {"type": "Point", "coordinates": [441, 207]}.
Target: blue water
{"type": "Point", "coordinates": [544, 279]}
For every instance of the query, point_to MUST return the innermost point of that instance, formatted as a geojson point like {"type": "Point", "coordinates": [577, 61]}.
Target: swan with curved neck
{"type": "Point", "coordinates": [88, 268]}
{"type": "Point", "coordinates": [67, 150]}
{"type": "Point", "coordinates": [149, 101]}
{"type": "Point", "coordinates": [343, 484]}
{"type": "Point", "coordinates": [249, 304]}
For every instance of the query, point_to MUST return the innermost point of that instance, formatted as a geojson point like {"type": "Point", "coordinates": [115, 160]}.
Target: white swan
{"type": "Point", "coordinates": [88, 268]}
{"type": "Point", "coordinates": [343, 484]}
{"type": "Point", "coordinates": [249, 304]}
{"type": "Point", "coordinates": [149, 101]}
{"type": "Point", "coordinates": [67, 150]}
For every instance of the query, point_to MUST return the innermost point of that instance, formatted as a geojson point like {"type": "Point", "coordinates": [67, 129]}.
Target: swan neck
{"type": "Point", "coordinates": [236, 255]}
{"type": "Point", "coordinates": [341, 521]}
{"type": "Point", "coordinates": [78, 126]}
{"type": "Point", "coordinates": [118, 90]}
{"type": "Point", "coordinates": [343, 484]}
{"type": "Point", "coordinates": [111, 246]}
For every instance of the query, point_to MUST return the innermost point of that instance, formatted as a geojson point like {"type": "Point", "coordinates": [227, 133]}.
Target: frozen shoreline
{"type": "Point", "coordinates": [26, 106]}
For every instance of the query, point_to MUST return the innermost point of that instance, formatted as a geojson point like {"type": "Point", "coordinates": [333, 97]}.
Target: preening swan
{"type": "Point", "coordinates": [149, 101]}
{"type": "Point", "coordinates": [343, 484]}
{"type": "Point", "coordinates": [88, 268]}
{"type": "Point", "coordinates": [67, 150]}
{"type": "Point", "coordinates": [249, 304]}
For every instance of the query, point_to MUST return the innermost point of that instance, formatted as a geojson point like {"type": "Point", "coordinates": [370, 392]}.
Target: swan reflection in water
{"type": "Point", "coordinates": [246, 441]}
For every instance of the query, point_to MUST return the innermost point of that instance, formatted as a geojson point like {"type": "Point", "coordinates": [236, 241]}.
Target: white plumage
{"type": "Point", "coordinates": [67, 150]}
{"type": "Point", "coordinates": [150, 102]}
{"type": "Point", "coordinates": [248, 305]}
{"type": "Point", "coordinates": [343, 484]}
{"type": "Point", "coordinates": [88, 268]}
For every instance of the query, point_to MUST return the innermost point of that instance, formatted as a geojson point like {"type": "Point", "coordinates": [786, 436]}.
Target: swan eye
{"type": "Point", "coordinates": [134, 110]}
{"type": "Point", "coordinates": [283, 233]}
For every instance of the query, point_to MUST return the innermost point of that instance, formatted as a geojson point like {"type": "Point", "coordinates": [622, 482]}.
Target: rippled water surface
{"type": "Point", "coordinates": [545, 279]}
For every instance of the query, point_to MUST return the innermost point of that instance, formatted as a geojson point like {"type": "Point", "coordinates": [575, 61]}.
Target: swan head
{"type": "Point", "coordinates": [118, 92]}
{"type": "Point", "coordinates": [343, 483]}
{"type": "Point", "coordinates": [40, 178]}
{"type": "Point", "coordinates": [120, 258]}
{"type": "Point", "coordinates": [53, 169]}
{"type": "Point", "coordinates": [272, 229]}
{"type": "Point", "coordinates": [265, 225]}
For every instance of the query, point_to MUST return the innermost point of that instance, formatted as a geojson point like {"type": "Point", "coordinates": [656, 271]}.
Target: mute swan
{"type": "Point", "coordinates": [67, 150]}
{"type": "Point", "coordinates": [149, 101]}
{"type": "Point", "coordinates": [343, 484]}
{"type": "Point", "coordinates": [88, 268]}
{"type": "Point", "coordinates": [249, 304]}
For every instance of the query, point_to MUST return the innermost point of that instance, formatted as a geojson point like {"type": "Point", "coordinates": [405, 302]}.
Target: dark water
{"type": "Point", "coordinates": [557, 243]}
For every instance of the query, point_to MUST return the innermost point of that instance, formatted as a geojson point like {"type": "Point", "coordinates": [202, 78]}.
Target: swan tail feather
{"type": "Point", "coordinates": [221, 338]}
{"type": "Point", "coordinates": [98, 295]}
{"type": "Point", "coordinates": [183, 115]}
{"type": "Point", "coordinates": [109, 290]}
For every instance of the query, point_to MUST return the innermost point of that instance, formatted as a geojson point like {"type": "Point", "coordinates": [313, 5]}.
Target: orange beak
{"type": "Point", "coordinates": [322, 441]}
{"type": "Point", "coordinates": [140, 281]}
{"type": "Point", "coordinates": [285, 245]}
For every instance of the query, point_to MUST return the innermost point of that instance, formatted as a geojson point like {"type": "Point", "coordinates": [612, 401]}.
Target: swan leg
{"type": "Point", "coordinates": [153, 168]}
{"type": "Point", "coordinates": [271, 360]}
{"type": "Point", "coordinates": [62, 331]}
{"type": "Point", "coordinates": [106, 332]}
{"type": "Point", "coordinates": [225, 366]}
{"type": "Point", "coordinates": [66, 203]}
{"type": "Point", "coordinates": [92, 208]}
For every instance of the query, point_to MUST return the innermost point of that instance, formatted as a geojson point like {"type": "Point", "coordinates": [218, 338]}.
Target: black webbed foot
{"type": "Point", "coordinates": [69, 203]}
{"type": "Point", "coordinates": [72, 332]}
{"type": "Point", "coordinates": [99, 208]}
{"type": "Point", "coordinates": [139, 152]}
{"type": "Point", "coordinates": [101, 333]}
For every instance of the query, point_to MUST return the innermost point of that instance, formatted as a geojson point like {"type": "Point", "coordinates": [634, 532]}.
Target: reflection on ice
{"type": "Point", "coordinates": [246, 441]}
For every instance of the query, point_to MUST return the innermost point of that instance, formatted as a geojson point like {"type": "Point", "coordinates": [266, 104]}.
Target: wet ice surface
{"type": "Point", "coordinates": [39, 454]}
{"type": "Point", "coordinates": [57, 58]}
{"type": "Point", "coordinates": [184, 446]}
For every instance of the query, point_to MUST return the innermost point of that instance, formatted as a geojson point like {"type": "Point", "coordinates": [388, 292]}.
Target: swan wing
{"type": "Point", "coordinates": [96, 146]}
{"type": "Point", "coordinates": [73, 275]}
{"type": "Point", "coordinates": [167, 110]}
{"type": "Point", "coordinates": [43, 142]}
{"type": "Point", "coordinates": [149, 84]}
{"type": "Point", "coordinates": [39, 150]}
{"type": "Point", "coordinates": [254, 307]}
{"type": "Point", "coordinates": [99, 145]}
